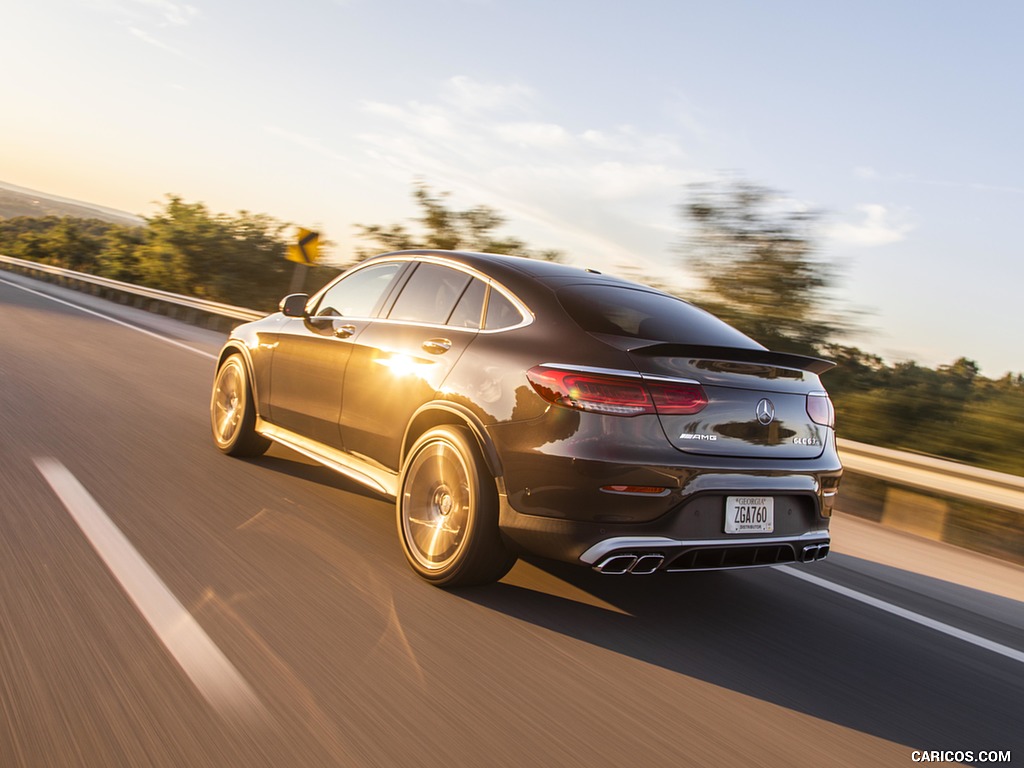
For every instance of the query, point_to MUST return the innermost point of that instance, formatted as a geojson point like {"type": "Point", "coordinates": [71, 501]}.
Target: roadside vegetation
{"type": "Point", "coordinates": [757, 261]}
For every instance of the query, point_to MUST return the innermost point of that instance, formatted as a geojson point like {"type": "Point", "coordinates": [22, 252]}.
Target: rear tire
{"type": "Point", "coordinates": [447, 512]}
{"type": "Point", "coordinates": [233, 413]}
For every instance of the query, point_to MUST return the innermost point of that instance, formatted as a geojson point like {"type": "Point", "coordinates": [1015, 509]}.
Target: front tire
{"type": "Point", "coordinates": [233, 413]}
{"type": "Point", "coordinates": [447, 511]}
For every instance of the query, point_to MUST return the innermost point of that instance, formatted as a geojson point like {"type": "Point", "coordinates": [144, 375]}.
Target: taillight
{"type": "Point", "coordinates": [615, 395]}
{"type": "Point", "coordinates": [677, 399]}
{"type": "Point", "coordinates": [819, 408]}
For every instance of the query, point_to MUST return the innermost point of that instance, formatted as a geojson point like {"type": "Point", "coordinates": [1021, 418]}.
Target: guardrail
{"type": "Point", "coordinates": [182, 307]}
{"type": "Point", "coordinates": [899, 489]}
{"type": "Point", "coordinates": [938, 476]}
{"type": "Point", "coordinates": [939, 499]}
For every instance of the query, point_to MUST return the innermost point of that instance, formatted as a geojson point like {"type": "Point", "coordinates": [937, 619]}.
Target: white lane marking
{"type": "Point", "coordinates": [903, 613]}
{"type": "Point", "coordinates": [111, 319]}
{"type": "Point", "coordinates": [208, 668]}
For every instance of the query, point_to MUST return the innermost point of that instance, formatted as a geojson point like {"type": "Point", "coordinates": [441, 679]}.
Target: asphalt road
{"type": "Point", "coordinates": [260, 613]}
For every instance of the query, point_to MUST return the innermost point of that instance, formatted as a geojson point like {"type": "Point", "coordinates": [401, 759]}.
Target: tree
{"type": "Point", "coordinates": [443, 228]}
{"type": "Point", "coordinates": [119, 258]}
{"type": "Point", "coordinates": [235, 259]}
{"type": "Point", "coordinates": [755, 257]}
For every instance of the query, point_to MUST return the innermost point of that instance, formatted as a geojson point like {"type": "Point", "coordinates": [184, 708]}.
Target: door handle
{"type": "Point", "coordinates": [344, 331]}
{"type": "Point", "coordinates": [437, 346]}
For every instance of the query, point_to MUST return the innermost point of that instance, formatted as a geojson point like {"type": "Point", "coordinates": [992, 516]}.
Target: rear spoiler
{"type": "Point", "coordinates": [731, 354]}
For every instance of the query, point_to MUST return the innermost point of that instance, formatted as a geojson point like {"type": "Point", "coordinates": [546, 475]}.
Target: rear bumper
{"type": "Point", "coordinates": [688, 538]}
{"type": "Point", "coordinates": [647, 554]}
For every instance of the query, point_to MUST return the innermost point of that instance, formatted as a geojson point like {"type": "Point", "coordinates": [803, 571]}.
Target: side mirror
{"type": "Point", "coordinates": [294, 305]}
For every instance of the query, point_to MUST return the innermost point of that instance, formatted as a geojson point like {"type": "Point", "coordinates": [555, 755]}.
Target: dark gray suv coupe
{"type": "Point", "coordinates": [517, 406]}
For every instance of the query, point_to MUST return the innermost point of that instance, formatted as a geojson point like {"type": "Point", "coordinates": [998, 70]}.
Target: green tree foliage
{"type": "Point", "coordinates": [756, 261]}
{"type": "Point", "coordinates": [63, 241]}
{"type": "Point", "coordinates": [184, 248]}
{"type": "Point", "coordinates": [442, 227]}
{"type": "Point", "coordinates": [237, 259]}
{"type": "Point", "coordinates": [950, 411]}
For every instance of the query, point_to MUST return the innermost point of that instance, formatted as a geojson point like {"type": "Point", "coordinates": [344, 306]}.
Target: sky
{"type": "Point", "coordinates": [584, 123]}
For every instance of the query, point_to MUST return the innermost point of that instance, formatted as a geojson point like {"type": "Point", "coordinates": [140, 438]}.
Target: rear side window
{"type": "Point", "coordinates": [621, 311]}
{"type": "Point", "coordinates": [359, 294]}
{"type": "Point", "coordinates": [430, 295]}
{"type": "Point", "coordinates": [501, 313]}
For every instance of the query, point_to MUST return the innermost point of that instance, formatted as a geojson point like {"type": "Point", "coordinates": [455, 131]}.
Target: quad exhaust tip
{"type": "Point", "coordinates": [814, 552]}
{"type": "Point", "coordinates": [637, 564]}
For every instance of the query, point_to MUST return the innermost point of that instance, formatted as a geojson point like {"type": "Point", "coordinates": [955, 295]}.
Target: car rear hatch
{"type": "Point", "coordinates": [761, 404]}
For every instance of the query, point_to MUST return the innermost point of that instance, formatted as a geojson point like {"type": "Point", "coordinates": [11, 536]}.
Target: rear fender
{"type": "Point", "coordinates": [437, 413]}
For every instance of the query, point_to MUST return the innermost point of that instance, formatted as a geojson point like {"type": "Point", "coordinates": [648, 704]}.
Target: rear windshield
{"type": "Point", "coordinates": [640, 314]}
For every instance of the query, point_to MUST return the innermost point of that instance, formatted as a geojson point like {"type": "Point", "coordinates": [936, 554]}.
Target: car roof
{"type": "Point", "coordinates": [502, 267]}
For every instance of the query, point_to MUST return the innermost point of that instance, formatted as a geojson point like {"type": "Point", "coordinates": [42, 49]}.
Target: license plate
{"type": "Point", "coordinates": [749, 514]}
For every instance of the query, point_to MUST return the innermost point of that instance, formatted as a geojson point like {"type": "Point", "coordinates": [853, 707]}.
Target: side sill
{"type": "Point", "coordinates": [381, 480]}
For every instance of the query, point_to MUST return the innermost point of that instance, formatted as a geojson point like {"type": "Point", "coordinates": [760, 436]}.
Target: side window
{"type": "Point", "coordinates": [430, 294]}
{"type": "Point", "coordinates": [359, 294]}
{"type": "Point", "coordinates": [467, 312]}
{"type": "Point", "coordinates": [501, 313]}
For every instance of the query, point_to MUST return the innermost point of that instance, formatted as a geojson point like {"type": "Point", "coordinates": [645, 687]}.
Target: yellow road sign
{"type": "Point", "coordinates": [306, 249]}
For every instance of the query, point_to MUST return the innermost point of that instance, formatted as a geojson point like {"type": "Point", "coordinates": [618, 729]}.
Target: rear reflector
{"type": "Point", "coordinates": [615, 395]}
{"type": "Point", "coordinates": [636, 490]}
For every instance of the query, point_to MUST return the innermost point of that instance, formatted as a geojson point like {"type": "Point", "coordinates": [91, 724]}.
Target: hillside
{"type": "Point", "coordinates": [18, 201]}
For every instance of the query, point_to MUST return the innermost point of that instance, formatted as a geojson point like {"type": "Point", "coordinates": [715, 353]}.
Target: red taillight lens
{"type": "Point", "coordinates": [614, 395]}
{"type": "Point", "coordinates": [819, 408]}
{"type": "Point", "coordinates": [677, 399]}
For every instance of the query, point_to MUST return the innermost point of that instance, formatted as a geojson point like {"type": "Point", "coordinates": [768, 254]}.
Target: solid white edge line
{"type": "Point", "coordinates": [903, 613]}
{"type": "Point", "coordinates": [107, 317]}
{"type": "Point", "coordinates": [209, 669]}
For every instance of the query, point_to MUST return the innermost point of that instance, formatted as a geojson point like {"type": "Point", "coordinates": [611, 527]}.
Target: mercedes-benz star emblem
{"type": "Point", "coordinates": [765, 411]}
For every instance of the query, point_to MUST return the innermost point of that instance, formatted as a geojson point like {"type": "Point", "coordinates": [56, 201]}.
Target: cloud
{"type": "Point", "coordinates": [147, 38]}
{"type": "Point", "coordinates": [456, 134]}
{"type": "Point", "coordinates": [544, 135]}
{"type": "Point", "coordinates": [868, 173]}
{"type": "Point", "coordinates": [879, 226]}
{"type": "Point", "coordinates": [604, 192]}
{"type": "Point", "coordinates": [427, 120]}
{"type": "Point", "coordinates": [173, 14]}
{"type": "Point", "coordinates": [619, 181]}
{"type": "Point", "coordinates": [139, 16]}
{"type": "Point", "coordinates": [469, 95]}
{"type": "Point", "coordinates": [306, 142]}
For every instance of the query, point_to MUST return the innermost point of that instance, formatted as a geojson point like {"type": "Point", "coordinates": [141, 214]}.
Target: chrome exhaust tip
{"type": "Point", "coordinates": [616, 564]}
{"type": "Point", "coordinates": [641, 565]}
{"type": "Point", "coordinates": [814, 552]}
{"type": "Point", "coordinates": [647, 564]}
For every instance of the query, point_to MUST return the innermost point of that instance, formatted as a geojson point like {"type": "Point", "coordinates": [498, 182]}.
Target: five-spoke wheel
{"type": "Point", "coordinates": [232, 413]}
{"type": "Point", "coordinates": [447, 511]}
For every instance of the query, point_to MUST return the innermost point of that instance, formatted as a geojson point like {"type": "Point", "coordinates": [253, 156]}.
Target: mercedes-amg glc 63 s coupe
{"type": "Point", "coordinates": [513, 406]}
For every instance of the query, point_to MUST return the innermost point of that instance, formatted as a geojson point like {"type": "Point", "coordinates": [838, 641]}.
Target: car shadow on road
{"type": "Point", "coordinates": [768, 635]}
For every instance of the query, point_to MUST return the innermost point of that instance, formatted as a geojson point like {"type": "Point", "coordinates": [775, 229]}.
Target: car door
{"type": "Point", "coordinates": [308, 364]}
{"type": "Point", "coordinates": [398, 363]}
